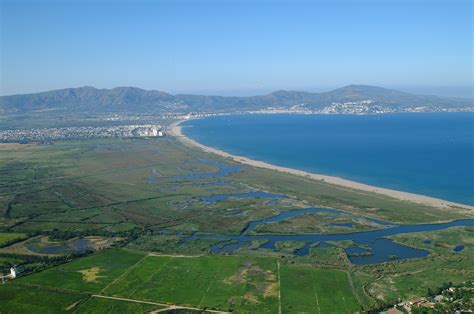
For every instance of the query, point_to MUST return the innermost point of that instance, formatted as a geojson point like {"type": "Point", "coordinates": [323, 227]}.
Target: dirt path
{"type": "Point", "coordinates": [167, 306]}
{"type": "Point", "coordinates": [279, 288]}
{"type": "Point", "coordinates": [73, 305]}
{"type": "Point", "coordinates": [354, 292]}
{"type": "Point", "coordinates": [170, 255]}
{"type": "Point", "coordinates": [315, 293]}
{"type": "Point", "coordinates": [210, 285]}
{"type": "Point", "coordinates": [124, 273]}
{"type": "Point", "coordinates": [128, 300]}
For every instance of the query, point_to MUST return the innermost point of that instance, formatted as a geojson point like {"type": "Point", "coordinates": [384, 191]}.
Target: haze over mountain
{"type": "Point", "coordinates": [135, 100]}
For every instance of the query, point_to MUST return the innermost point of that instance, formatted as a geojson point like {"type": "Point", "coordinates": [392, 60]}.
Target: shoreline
{"type": "Point", "coordinates": [175, 129]}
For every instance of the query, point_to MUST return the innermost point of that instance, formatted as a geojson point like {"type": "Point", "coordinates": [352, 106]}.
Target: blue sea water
{"type": "Point", "coordinates": [429, 153]}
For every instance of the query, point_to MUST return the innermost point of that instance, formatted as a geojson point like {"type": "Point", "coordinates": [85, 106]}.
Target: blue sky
{"type": "Point", "coordinates": [236, 47]}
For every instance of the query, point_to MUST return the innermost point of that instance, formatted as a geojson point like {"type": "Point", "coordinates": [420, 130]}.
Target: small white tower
{"type": "Point", "coordinates": [12, 272]}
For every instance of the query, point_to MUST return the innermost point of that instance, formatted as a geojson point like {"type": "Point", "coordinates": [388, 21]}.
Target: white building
{"type": "Point", "coordinates": [12, 272]}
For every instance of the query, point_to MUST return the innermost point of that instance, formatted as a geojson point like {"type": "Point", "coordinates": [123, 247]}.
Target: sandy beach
{"type": "Point", "coordinates": [175, 130]}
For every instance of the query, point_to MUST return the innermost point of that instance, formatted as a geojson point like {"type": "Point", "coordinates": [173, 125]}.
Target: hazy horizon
{"type": "Point", "coordinates": [235, 47]}
{"type": "Point", "coordinates": [442, 91]}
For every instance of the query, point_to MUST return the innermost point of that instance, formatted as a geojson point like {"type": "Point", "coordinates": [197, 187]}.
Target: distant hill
{"type": "Point", "coordinates": [89, 100]}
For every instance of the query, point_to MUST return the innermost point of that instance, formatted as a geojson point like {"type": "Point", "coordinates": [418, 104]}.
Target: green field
{"type": "Point", "coordinates": [9, 237]}
{"type": "Point", "coordinates": [89, 274]}
{"type": "Point", "coordinates": [100, 306]}
{"type": "Point", "coordinates": [20, 299]}
{"type": "Point", "coordinates": [313, 290]}
{"type": "Point", "coordinates": [221, 282]}
{"type": "Point", "coordinates": [206, 282]}
{"type": "Point", "coordinates": [229, 283]}
{"type": "Point", "coordinates": [15, 299]}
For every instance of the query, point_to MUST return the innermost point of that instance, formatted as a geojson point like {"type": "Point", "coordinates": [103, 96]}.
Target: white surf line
{"type": "Point", "coordinates": [175, 130]}
{"type": "Point", "coordinates": [279, 287]}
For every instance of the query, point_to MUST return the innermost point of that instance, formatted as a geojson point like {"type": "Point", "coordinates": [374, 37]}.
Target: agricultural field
{"type": "Point", "coordinates": [307, 289]}
{"type": "Point", "coordinates": [220, 282]}
{"type": "Point", "coordinates": [128, 280]}
{"type": "Point", "coordinates": [89, 274]}
{"type": "Point", "coordinates": [20, 299]}
{"type": "Point", "coordinates": [216, 282]}
{"type": "Point", "coordinates": [229, 283]}
{"type": "Point", "coordinates": [103, 305]}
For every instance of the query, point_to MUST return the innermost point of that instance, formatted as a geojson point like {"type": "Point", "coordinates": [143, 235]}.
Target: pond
{"type": "Point", "coordinates": [458, 248]}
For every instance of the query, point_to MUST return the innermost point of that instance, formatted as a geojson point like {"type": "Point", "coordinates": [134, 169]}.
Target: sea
{"type": "Point", "coordinates": [424, 153]}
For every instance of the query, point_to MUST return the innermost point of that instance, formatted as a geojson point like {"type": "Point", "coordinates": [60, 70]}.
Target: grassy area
{"type": "Point", "coordinates": [441, 242]}
{"type": "Point", "coordinates": [323, 194]}
{"type": "Point", "coordinates": [90, 274]}
{"type": "Point", "coordinates": [33, 300]}
{"type": "Point", "coordinates": [116, 186]}
{"type": "Point", "coordinates": [230, 283]}
{"type": "Point", "coordinates": [4, 261]}
{"type": "Point", "coordinates": [101, 305]}
{"type": "Point", "coordinates": [415, 283]}
{"type": "Point", "coordinates": [312, 290]}
{"type": "Point", "coordinates": [241, 283]}
{"type": "Point", "coordinates": [411, 278]}
{"type": "Point", "coordinates": [6, 238]}
{"type": "Point", "coordinates": [220, 282]}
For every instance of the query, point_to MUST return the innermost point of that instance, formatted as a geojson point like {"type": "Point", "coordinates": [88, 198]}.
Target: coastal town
{"type": "Point", "coordinates": [121, 128]}
{"type": "Point", "coordinates": [86, 132]}
{"type": "Point", "coordinates": [363, 107]}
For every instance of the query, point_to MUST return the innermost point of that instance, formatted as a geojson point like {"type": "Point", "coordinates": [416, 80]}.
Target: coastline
{"type": "Point", "coordinates": [175, 130]}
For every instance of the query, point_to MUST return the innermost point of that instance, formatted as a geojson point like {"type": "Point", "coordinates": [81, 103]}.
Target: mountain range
{"type": "Point", "coordinates": [90, 100]}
